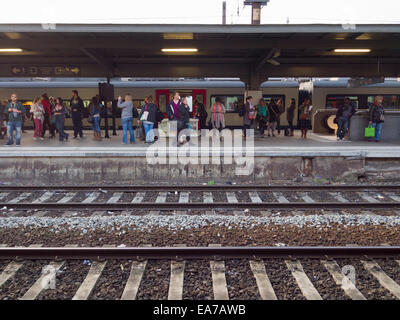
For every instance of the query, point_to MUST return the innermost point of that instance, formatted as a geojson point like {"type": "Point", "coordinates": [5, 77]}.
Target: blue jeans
{"type": "Point", "coordinates": [127, 125]}
{"type": "Point", "coordinates": [96, 124]}
{"type": "Point", "coordinates": [60, 127]}
{"type": "Point", "coordinates": [378, 130]}
{"type": "Point", "coordinates": [148, 129]}
{"type": "Point", "coordinates": [343, 125]}
{"type": "Point", "coordinates": [11, 126]}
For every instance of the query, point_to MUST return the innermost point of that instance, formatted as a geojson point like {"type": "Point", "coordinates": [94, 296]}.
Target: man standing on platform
{"type": "Point", "coordinates": [77, 107]}
{"type": "Point", "coordinates": [15, 111]}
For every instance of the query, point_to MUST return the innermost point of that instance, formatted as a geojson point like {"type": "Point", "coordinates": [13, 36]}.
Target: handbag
{"type": "Point", "coordinates": [90, 118]}
{"type": "Point", "coordinates": [145, 114]}
{"type": "Point", "coordinates": [369, 131]}
{"type": "Point", "coordinates": [303, 116]}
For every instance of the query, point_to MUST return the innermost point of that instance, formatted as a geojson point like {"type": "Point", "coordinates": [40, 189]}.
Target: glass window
{"type": "Point", "coordinates": [334, 101]}
{"type": "Point", "coordinates": [390, 101]}
{"type": "Point", "coordinates": [276, 97]}
{"type": "Point", "coordinates": [232, 103]}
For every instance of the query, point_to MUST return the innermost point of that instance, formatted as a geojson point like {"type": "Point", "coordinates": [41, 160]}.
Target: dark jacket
{"type": "Point", "coordinates": [184, 116]}
{"type": "Point", "coordinates": [170, 110]}
{"type": "Point", "coordinates": [346, 111]}
{"type": "Point", "coordinates": [273, 111]}
{"type": "Point", "coordinates": [17, 106]}
{"type": "Point", "coordinates": [77, 107]}
{"type": "Point", "coordinates": [290, 111]}
{"type": "Point", "coordinates": [201, 112]}
{"type": "Point", "coordinates": [375, 113]}
{"type": "Point", "coordinates": [151, 108]}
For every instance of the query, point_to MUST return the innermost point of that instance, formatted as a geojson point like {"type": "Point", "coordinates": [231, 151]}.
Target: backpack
{"type": "Point", "coordinates": [135, 113]}
{"type": "Point", "coordinates": [241, 111]}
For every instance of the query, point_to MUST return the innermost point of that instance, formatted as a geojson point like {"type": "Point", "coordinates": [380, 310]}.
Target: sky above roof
{"type": "Point", "coordinates": [198, 12]}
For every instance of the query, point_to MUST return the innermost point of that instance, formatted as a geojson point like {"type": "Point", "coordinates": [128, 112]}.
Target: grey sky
{"type": "Point", "coordinates": [199, 11]}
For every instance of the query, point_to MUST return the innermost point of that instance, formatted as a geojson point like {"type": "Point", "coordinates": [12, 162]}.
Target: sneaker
{"type": "Point", "coordinates": [123, 143]}
{"type": "Point", "coordinates": [17, 145]}
{"type": "Point", "coordinates": [8, 145]}
{"type": "Point", "coordinates": [34, 138]}
{"type": "Point", "coordinates": [75, 137]}
{"type": "Point", "coordinates": [41, 138]}
{"type": "Point", "coordinates": [338, 139]}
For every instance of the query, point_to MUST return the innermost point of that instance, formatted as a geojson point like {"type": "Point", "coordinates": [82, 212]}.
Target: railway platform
{"type": "Point", "coordinates": [270, 159]}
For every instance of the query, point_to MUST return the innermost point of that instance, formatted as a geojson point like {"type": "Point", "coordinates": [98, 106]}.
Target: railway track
{"type": "Point", "coordinates": [118, 198]}
{"type": "Point", "coordinates": [213, 272]}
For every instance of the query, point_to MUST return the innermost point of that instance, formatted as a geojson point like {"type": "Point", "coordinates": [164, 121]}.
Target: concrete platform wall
{"type": "Point", "coordinates": [134, 170]}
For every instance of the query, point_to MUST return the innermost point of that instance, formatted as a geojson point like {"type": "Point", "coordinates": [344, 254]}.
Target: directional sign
{"type": "Point", "coordinates": [45, 71]}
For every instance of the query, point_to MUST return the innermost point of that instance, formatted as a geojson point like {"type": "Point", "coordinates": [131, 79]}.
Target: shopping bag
{"type": "Point", "coordinates": [369, 132]}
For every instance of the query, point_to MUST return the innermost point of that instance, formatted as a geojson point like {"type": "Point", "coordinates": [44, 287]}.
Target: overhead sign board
{"type": "Point", "coordinates": [45, 71]}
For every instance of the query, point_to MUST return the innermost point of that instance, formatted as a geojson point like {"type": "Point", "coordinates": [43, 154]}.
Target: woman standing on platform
{"type": "Point", "coordinates": [59, 114]}
{"type": "Point", "coordinates": [148, 117]}
{"type": "Point", "coordinates": [376, 117]}
{"type": "Point", "coordinates": [249, 115]}
{"type": "Point", "coordinates": [94, 111]}
{"type": "Point", "coordinates": [127, 118]}
{"type": "Point", "coordinates": [218, 114]}
{"type": "Point", "coordinates": [305, 117]}
{"type": "Point", "coordinates": [38, 117]}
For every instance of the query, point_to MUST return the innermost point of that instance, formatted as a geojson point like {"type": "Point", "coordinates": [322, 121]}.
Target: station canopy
{"type": "Point", "coordinates": [252, 53]}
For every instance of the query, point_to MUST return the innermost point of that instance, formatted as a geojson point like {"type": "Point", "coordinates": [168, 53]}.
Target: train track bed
{"type": "Point", "coordinates": [292, 274]}
{"type": "Point", "coordinates": [202, 230]}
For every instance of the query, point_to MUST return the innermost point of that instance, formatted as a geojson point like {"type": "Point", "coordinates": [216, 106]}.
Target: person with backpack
{"type": "Point", "coordinates": [218, 114]}
{"type": "Point", "coordinates": [249, 114]}
{"type": "Point", "coordinates": [148, 117]}
{"type": "Point", "coordinates": [343, 115]}
{"type": "Point", "coordinates": [376, 117]}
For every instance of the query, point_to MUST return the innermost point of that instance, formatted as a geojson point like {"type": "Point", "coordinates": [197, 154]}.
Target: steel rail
{"type": "Point", "coordinates": [194, 252]}
{"type": "Point", "coordinates": [136, 188]}
{"type": "Point", "coordinates": [198, 205]}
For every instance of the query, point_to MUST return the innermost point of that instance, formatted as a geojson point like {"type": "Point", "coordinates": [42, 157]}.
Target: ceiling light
{"type": "Point", "coordinates": [352, 50]}
{"type": "Point", "coordinates": [178, 36]}
{"type": "Point", "coordinates": [11, 50]}
{"type": "Point", "coordinates": [180, 50]}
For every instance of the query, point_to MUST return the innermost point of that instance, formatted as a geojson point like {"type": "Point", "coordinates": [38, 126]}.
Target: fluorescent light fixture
{"type": "Point", "coordinates": [11, 50]}
{"type": "Point", "coordinates": [352, 50]}
{"type": "Point", "coordinates": [334, 79]}
{"type": "Point", "coordinates": [180, 50]}
{"type": "Point", "coordinates": [178, 36]}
